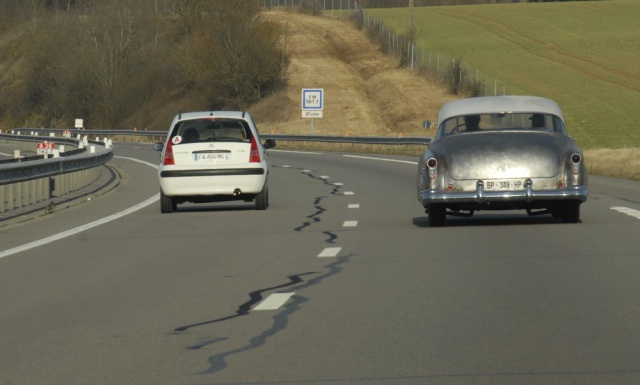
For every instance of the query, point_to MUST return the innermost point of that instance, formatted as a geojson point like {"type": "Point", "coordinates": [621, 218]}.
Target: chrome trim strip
{"type": "Point", "coordinates": [480, 196]}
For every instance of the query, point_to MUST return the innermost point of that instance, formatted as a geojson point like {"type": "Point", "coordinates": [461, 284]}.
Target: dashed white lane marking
{"type": "Point", "coordinates": [381, 159]}
{"type": "Point", "coordinates": [306, 171]}
{"type": "Point", "coordinates": [354, 206]}
{"type": "Point", "coordinates": [274, 301]}
{"type": "Point", "coordinates": [286, 166]}
{"type": "Point", "coordinates": [68, 233]}
{"type": "Point", "coordinates": [338, 184]}
{"type": "Point", "coordinates": [350, 224]}
{"type": "Point", "coordinates": [348, 193]}
{"type": "Point", "coordinates": [330, 252]}
{"type": "Point", "coordinates": [324, 177]}
{"type": "Point", "coordinates": [628, 211]}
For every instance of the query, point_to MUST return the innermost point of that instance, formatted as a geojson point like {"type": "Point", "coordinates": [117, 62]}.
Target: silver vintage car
{"type": "Point", "coordinates": [502, 153]}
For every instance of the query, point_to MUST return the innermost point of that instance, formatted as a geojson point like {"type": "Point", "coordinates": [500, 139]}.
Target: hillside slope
{"type": "Point", "coordinates": [365, 92]}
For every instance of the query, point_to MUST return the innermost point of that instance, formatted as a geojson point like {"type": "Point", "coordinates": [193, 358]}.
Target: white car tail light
{"type": "Point", "coordinates": [254, 155]}
{"type": "Point", "coordinates": [168, 155]}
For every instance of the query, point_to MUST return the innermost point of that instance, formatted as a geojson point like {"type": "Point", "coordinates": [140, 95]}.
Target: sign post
{"type": "Point", "coordinates": [312, 103]}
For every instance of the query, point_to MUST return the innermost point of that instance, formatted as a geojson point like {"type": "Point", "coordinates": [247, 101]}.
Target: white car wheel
{"type": "Point", "coordinates": [262, 199]}
{"type": "Point", "coordinates": [167, 205]}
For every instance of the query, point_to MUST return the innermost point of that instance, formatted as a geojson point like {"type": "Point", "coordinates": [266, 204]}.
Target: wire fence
{"type": "Point", "coordinates": [459, 78]}
{"type": "Point", "coordinates": [326, 6]}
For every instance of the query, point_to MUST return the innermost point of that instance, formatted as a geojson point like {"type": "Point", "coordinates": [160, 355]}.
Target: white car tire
{"type": "Point", "coordinates": [262, 199]}
{"type": "Point", "coordinates": [167, 205]}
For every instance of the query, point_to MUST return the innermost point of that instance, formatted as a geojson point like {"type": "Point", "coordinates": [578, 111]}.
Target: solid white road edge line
{"type": "Point", "coordinates": [68, 233]}
{"type": "Point", "coordinates": [297, 152]}
{"type": "Point", "coordinates": [274, 301]}
{"type": "Point", "coordinates": [382, 159]}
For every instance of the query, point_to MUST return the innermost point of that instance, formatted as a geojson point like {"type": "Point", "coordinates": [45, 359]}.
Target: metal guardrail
{"type": "Point", "coordinates": [400, 140]}
{"type": "Point", "coordinates": [33, 167]}
{"type": "Point", "coordinates": [30, 180]}
{"type": "Point", "coordinates": [410, 140]}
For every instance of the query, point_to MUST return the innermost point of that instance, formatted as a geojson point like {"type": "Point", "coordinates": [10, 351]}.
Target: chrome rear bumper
{"type": "Point", "coordinates": [528, 194]}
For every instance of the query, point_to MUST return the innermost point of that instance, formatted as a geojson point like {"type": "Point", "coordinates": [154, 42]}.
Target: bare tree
{"type": "Point", "coordinates": [237, 58]}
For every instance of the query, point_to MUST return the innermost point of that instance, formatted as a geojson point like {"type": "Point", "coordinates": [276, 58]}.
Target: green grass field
{"type": "Point", "coordinates": [585, 55]}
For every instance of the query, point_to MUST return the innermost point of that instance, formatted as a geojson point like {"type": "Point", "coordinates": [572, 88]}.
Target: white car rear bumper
{"type": "Point", "coordinates": [212, 182]}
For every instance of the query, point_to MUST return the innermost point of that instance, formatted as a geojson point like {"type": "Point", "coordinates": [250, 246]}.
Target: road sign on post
{"type": "Point", "coordinates": [46, 148]}
{"type": "Point", "coordinates": [312, 103]}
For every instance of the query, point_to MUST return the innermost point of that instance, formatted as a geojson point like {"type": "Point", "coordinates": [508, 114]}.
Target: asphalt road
{"type": "Point", "coordinates": [340, 281]}
{"type": "Point", "coordinates": [6, 151]}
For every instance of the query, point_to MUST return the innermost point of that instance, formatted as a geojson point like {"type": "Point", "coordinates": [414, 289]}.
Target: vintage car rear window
{"type": "Point", "coordinates": [212, 130]}
{"type": "Point", "coordinates": [501, 122]}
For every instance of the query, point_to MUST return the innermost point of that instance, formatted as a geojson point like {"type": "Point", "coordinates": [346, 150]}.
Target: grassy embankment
{"type": "Point", "coordinates": [584, 55]}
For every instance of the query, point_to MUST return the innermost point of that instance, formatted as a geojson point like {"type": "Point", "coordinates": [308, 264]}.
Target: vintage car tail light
{"type": "Point", "coordinates": [254, 155]}
{"type": "Point", "coordinates": [431, 164]}
{"type": "Point", "coordinates": [168, 155]}
{"type": "Point", "coordinates": [575, 160]}
{"type": "Point", "coordinates": [450, 187]}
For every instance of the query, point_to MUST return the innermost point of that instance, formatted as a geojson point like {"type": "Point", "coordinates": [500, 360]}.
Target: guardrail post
{"type": "Point", "coordinates": [52, 187]}
{"type": "Point", "coordinates": [11, 204]}
{"type": "Point", "coordinates": [17, 195]}
{"type": "Point", "coordinates": [3, 205]}
{"type": "Point", "coordinates": [29, 193]}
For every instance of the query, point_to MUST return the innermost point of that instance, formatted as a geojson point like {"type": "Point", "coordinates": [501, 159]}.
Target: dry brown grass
{"type": "Point", "coordinates": [366, 93]}
{"type": "Point", "coordinates": [616, 163]}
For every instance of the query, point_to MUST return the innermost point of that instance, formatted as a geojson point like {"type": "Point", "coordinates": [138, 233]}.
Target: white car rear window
{"type": "Point", "coordinates": [211, 130]}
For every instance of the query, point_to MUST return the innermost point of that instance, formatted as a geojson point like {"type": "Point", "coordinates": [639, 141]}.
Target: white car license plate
{"type": "Point", "coordinates": [504, 185]}
{"type": "Point", "coordinates": [211, 157]}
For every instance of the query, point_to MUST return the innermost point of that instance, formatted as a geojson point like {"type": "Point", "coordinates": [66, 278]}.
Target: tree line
{"type": "Point", "coordinates": [104, 60]}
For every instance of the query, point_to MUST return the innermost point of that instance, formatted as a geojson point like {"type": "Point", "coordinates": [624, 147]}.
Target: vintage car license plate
{"type": "Point", "coordinates": [211, 157]}
{"type": "Point", "coordinates": [504, 185]}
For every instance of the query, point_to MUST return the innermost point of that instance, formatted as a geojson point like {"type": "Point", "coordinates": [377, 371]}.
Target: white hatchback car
{"type": "Point", "coordinates": [213, 156]}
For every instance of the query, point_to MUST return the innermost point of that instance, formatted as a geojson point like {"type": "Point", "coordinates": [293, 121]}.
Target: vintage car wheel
{"type": "Point", "coordinates": [437, 215]}
{"type": "Point", "coordinates": [167, 205]}
{"type": "Point", "coordinates": [570, 211]}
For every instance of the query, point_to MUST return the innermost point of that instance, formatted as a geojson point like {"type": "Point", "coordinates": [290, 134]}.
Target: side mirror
{"type": "Point", "coordinates": [269, 143]}
{"type": "Point", "coordinates": [158, 146]}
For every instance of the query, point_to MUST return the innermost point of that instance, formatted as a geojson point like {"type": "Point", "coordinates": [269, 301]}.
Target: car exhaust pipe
{"type": "Point", "coordinates": [237, 192]}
